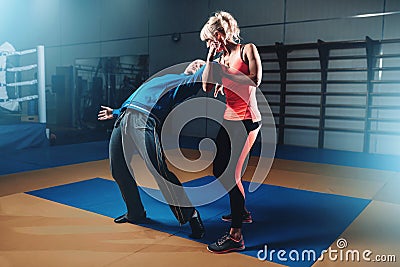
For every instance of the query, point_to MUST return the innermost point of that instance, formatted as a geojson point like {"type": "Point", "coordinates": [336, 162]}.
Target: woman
{"type": "Point", "coordinates": [239, 71]}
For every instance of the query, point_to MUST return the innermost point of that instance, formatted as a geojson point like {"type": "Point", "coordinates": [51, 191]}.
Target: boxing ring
{"type": "Point", "coordinates": [14, 79]}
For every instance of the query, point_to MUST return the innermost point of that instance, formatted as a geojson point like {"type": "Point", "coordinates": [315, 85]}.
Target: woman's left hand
{"type": "Point", "coordinates": [219, 88]}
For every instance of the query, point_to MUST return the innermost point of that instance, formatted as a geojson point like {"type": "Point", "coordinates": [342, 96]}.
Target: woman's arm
{"type": "Point", "coordinates": [255, 67]}
{"type": "Point", "coordinates": [209, 73]}
{"type": "Point", "coordinates": [252, 58]}
{"type": "Point", "coordinates": [207, 77]}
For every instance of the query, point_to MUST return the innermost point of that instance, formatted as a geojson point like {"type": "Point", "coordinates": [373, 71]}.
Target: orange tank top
{"type": "Point", "coordinates": [241, 102]}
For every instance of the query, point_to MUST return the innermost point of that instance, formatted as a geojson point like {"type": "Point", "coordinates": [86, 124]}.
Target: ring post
{"type": "Point", "coordinates": [41, 84]}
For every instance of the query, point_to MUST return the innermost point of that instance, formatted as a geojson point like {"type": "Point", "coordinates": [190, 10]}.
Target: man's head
{"type": "Point", "coordinates": [194, 66]}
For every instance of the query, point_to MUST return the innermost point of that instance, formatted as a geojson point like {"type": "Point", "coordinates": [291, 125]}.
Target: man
{"type": "Point", "coordinates": [148, 107]}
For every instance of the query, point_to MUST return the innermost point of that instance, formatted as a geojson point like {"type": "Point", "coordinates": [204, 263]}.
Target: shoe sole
{"type": "Point", "coordinates": [244, 221]}
{"type": "Point", "coordinates": [137, 221]}
{"type": "Point", "coordinates": [227, 250]}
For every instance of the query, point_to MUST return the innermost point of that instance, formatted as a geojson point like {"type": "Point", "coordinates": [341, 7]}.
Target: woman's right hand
{"type": "Point", "coordinates": [212, 50]}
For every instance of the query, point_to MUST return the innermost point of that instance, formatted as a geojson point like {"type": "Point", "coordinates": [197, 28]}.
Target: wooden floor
{"type": "Point", "coordinates": [37, 232]}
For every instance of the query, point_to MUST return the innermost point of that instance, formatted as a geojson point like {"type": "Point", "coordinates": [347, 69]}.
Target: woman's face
{"type": "Point", "coordinates": [217, 43]}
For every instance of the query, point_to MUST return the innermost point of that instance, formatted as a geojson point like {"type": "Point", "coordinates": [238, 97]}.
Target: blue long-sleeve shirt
{"type": "Point", "coordinates": [158, 96]}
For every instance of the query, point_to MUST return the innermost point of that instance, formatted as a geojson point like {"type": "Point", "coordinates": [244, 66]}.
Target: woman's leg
{"type": "Point", "coordinates": [243, 145]}
{"type": "Point", "coordinates": [229, 161]}
{"type": "Point", "coordinates": [221, 160]}
{"type": "Point", "coordinates": [242, 141]}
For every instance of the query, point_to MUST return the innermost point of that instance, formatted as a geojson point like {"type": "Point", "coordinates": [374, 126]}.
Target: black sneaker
{"type": "Point", "coordinates": [197, 226]}
{"type": "Point", "coordinates": [246, 218]}
{"type": "Point", "coordinates": [226, 244]}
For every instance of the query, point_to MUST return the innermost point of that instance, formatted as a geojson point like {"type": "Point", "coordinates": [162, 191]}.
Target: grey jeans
{"type": "Point", "coordinates": [136, 132]}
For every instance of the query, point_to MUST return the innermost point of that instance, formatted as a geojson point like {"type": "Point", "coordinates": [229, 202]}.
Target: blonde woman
{"type": "Point", "coordinates": [238, 70]}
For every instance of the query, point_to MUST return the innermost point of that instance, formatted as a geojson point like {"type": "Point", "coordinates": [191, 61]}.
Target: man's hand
{"type": "Point", "coordinates": [105, 113]}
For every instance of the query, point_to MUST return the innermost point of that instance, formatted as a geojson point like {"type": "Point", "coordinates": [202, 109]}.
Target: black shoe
{"type": "Point", "coordinates": [246, 217]}
{"type": "Point", "coordinates": [226, 244]}
{"type": "Point", "coordinates": [197, 226]}
{"type": "Point", "coordinates": [121, 219]}
{"type": "Point", "coordinates": [124, 219]}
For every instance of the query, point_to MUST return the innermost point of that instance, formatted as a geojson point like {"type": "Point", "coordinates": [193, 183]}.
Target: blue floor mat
{"type": "Point", "coordinates": [52, 156]}
{"type": "Point", "coordinates": [339, 157]}
{"type": "Point", "coordinates": [284, 219]}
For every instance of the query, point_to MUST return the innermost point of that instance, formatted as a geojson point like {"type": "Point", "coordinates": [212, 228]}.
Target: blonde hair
{"type": "Point", "coordinates": [223, 22]}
